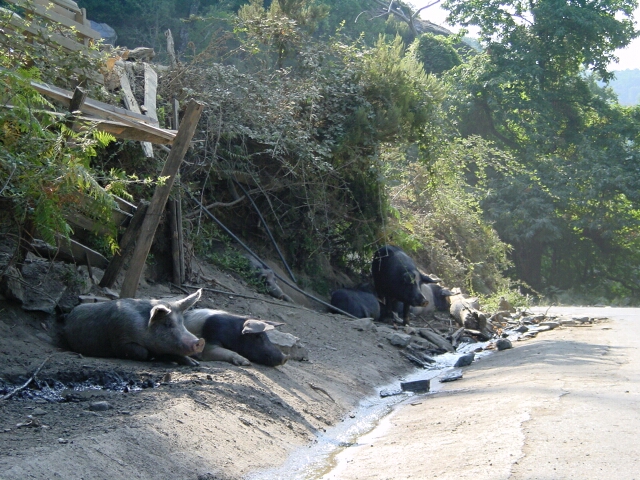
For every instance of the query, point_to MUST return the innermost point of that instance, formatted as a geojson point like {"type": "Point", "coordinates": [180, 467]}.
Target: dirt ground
{"type": "Point", "coordinates": [215, 421]}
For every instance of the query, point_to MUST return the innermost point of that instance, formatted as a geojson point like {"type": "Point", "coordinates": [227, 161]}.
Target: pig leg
{"type": "Point", "coordinates": [405, 314]}
{"type": "Point", "coordinates": [213, 353]}
{"type": "Point", "coordinates": [179, 359]}
{"type": "Point", "coordinates": [133, 351]}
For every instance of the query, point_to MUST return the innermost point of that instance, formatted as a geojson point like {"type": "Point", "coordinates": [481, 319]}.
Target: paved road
{"type": "Point", "coordinates": [565, 405]}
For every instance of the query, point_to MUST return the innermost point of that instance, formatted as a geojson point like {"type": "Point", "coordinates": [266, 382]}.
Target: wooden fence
{"type": "Point", "coordinates": [56, 12]}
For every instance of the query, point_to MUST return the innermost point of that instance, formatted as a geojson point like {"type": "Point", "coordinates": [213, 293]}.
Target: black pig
{"type": "Point", "coordinates": [360, 302]}
{"type": "Point", "coordinates": [133, 329]}
{"type": "Point", "coordinates": [397, 279]}
{"type": "Point", "coordinates": [437, 296]}
{"type": "Point", "coordinates": [236, 339]}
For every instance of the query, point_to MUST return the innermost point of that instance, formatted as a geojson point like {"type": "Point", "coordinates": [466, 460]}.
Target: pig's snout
{"type": "Point", "coordinates": [285, 358]}
{"type": "Point", "coordinates": [191, 345]}
{"type": "Point", "coordinates": [198, 346]}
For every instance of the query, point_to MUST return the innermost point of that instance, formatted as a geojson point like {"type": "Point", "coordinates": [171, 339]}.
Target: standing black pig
{"type": "Point", "coordinates": [133, 329]}
{"type": "Point", "coordinates": [397, 279]}
{"type": "Point", "coordinates": [360, 302]}
{"type": "Point", "coordinates": [236, 339]}
{"type": "Point", "coordinates": [437, 296]}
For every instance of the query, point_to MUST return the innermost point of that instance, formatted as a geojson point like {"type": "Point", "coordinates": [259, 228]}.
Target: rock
{"type": "Point", "coordinates": [550, 324]}
{"type": "Point", "coordinates": [542, 328]}
{"type": "Point", "coordinates": [107, 33]}
{"type": "Point", "coordinates": [363, 325]}
{"type": "Point", "coordinates": [503, 344]}
{"type": "Point", "coordinates": [399, 339]}
{"type": "Point", "coordinates": [143, 54]}
{"type": "Point", "coordinates": [39, 412]}
{"type": "Point", "coordinates": [451, 376]}
{"type": "Point", "coordinates": [99, 406]}
{"type": "Point", "coordinates": [522, 329]}
{"type": "Point", "coordinates": [289, 345]}
{"type": "Point", "coordinates": [418, 386]}
{"type": "Point", "coordinates": [566, 321]}
{"type": "Point", "coordinates": [110, 294]}
{"type": "Point", "coordinates": [11, 285]}
{"type": "Point", "coordinates": [465, 360]}
{"type": "Point", "coordinates": [582, 319]}
{"type": "Point", "coordinates": [436, 339]}
{"type": "Point", "coordinates": [390, 393]}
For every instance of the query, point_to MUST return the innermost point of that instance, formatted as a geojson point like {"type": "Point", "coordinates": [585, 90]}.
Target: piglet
{"type": "Point", "coordinates": [235, 339]}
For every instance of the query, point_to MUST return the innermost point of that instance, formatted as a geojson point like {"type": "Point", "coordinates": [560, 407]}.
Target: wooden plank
{"type": "Point", "coordinates": [105, 111]}
{"type": "Point", "coordinates": [58, 18]}
{"type": "Point", "coordinates": [67, 4]}
{"type": "Point", "coordinates": [159, 200]}
{"type": "Point", "coordinates": [86, 223]}
{"type": "Point", "coordinates": [127, 93]}
{"type": "Point", "coordinates": [68, 43]}
{"type": "Point", "coordinates": [132, 104]}
{"type": "Point", "coordinates": [67, 12]}
{"type": "Point", "coordinates": [150, 89]}
{"type": "Point", "coordinates": [126, 244]}
{"type": "Point", "coordinates": [126, 132]}
{"type": "Point", "coordinates": [125, 205]}
{"type": "Point", "coordinates": [79, 253]}
{"type": "Point", "coordinates": [91, 106]}
{"type": "Point", "coordinates": [118, 130]}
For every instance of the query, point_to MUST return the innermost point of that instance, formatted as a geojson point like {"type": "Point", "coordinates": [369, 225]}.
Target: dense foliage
{"type": "Point", "coordinates": [45, 168]}
{"type": "Point", "coordinates": [512, 165]}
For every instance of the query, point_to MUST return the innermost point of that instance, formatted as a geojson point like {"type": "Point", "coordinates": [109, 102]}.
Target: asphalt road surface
{"type": "Point", "coordinates": [565, 405]}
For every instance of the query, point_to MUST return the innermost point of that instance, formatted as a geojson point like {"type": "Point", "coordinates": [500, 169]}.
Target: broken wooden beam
{"type": "Point", "coordinates": [160, 197]}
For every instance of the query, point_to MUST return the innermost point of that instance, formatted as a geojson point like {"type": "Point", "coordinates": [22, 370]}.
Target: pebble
{"type": "Point", "coordinates": [465, 360]}
{"type": "Point", "coordinates": [99, 406]}
{"type": "Point", "coordinates": [504, 344]}
{"type": "Point", "coordinates": [63, 440]}
{"type": "Point", "coordinates": [39, 412]}
{"type": "Point", "coordinates": [451, 376]}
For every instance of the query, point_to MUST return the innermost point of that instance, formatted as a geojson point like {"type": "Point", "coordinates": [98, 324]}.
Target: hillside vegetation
{"type": "Point", "coordinates": [505, 171]}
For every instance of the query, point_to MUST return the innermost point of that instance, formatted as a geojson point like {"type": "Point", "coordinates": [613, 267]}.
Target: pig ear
{"type": "Point", "coordinates": [429, 278]}
{"type": "Point", "coordinates": [271, 322]}
{"type": "Point", "coordinates": [446, 293]}
{"type": "Point", "coordinates": [187, 302]}
{"type": "Point", "coordinates": [157, 312]}
{"type": "Point", "coordinates": [255, 326]}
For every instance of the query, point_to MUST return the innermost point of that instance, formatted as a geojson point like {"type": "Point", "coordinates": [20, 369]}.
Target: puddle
{"type": "Point", "coordinates": [319, 458]}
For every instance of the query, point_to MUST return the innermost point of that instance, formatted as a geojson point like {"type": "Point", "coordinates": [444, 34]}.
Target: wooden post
{"type": "Point", "coordinates": [78, 99]}
{"type": "Point", "coordinates": [160, 196]}
{"type": "Point", "coordinates": [176, 112]}
{"type": "Point", "coordinates": [170, 49]}
{"type": "Point", "coordinates": [126, 244]}
{"type": "Point", "coordinates": [175, 223]}
{"type": "Point", "coordinates": [183, 267]}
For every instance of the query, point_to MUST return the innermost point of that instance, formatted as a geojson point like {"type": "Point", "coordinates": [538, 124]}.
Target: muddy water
{"type": "Point", "coordinates": [318, 459]}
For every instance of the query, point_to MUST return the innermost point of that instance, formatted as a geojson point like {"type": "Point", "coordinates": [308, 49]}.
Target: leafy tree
{"type": "Point", "coordinates": [528, 92]}
{"type": "Point", "coordinates": [435, 52]}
